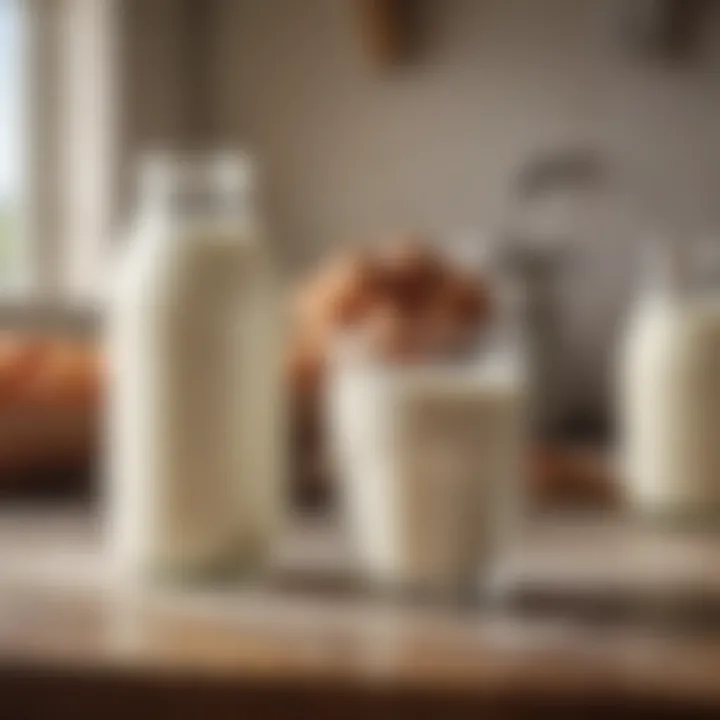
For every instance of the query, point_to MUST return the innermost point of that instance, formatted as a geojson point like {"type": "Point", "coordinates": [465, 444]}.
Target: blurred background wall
{"type": "Point", "coordinates": [349, 149]}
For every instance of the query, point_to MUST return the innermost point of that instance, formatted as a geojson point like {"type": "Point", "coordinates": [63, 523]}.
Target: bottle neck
{"type": "Point", "coordinates": [197, 188]}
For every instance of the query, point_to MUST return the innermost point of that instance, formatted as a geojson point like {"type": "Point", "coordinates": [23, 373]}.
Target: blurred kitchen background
{"type": "Point", "coordinates": [365, 117]}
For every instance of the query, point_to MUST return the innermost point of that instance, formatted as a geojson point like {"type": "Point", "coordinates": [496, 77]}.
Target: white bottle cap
{"type": "Point", "coordinates": [193, 182]}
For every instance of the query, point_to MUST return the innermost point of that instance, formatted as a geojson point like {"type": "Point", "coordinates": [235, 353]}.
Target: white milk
{"type": "Point", "coordinates": [429, 462]}
{"type": "Point", "coordinates": [670, 402]}
{"type": "Point", "coordinates": [196, 439]}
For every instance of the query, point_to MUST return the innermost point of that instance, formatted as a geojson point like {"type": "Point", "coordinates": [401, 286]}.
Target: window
{"type": "Point", "coordinates": [85, 139]}
{"type": "Point", "coordinates": [12, 141]}
{"type": "Point", "coordinates": [56, 147]}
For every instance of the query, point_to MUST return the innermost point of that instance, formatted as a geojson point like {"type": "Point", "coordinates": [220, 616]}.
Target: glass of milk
{"type": "Point", "coordinates": [429, 463]}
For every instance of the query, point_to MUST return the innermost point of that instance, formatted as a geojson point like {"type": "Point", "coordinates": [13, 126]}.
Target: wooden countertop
{"type": "Point", "coordinates": [72, 647]}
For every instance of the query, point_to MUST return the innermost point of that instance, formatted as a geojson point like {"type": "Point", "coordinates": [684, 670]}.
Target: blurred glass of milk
{"type": "Point", "coordinates": [429, 461]}
{"type": "Point", "coordinates": [195, 443]}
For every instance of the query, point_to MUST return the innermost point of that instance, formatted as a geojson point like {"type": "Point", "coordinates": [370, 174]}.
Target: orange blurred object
{"type": "Point", "coordinates": [51, 390]}
{"type": "Point", "coordinates": [340, 294]}
{"type": "Point", "coordinates": [69, 377]}
{"type": "Point", "coordinates": [411, 271]}
{"type": "Point", "coordinates": [573, 475]}
{"type": "Point", "coordinates": [408, 301]}
{"type": "Point", "coordinates": [391, 334]}
{"type": "Point", "coordinates": [20, 358]}
{"type": "Point", "coordinates": [469, 300]}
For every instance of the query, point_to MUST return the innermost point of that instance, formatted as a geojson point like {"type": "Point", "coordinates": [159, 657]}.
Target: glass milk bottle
{"type": "Point", "coordinates": [670, 395]}
{"type": "Point", "coordinates": [195, 441]}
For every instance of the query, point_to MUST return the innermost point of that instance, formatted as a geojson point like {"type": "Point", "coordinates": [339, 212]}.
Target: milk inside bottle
{"type": "Point", "coordinates": [195, 442]}
{"type": "Point", "coordinates": [670, 394]}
